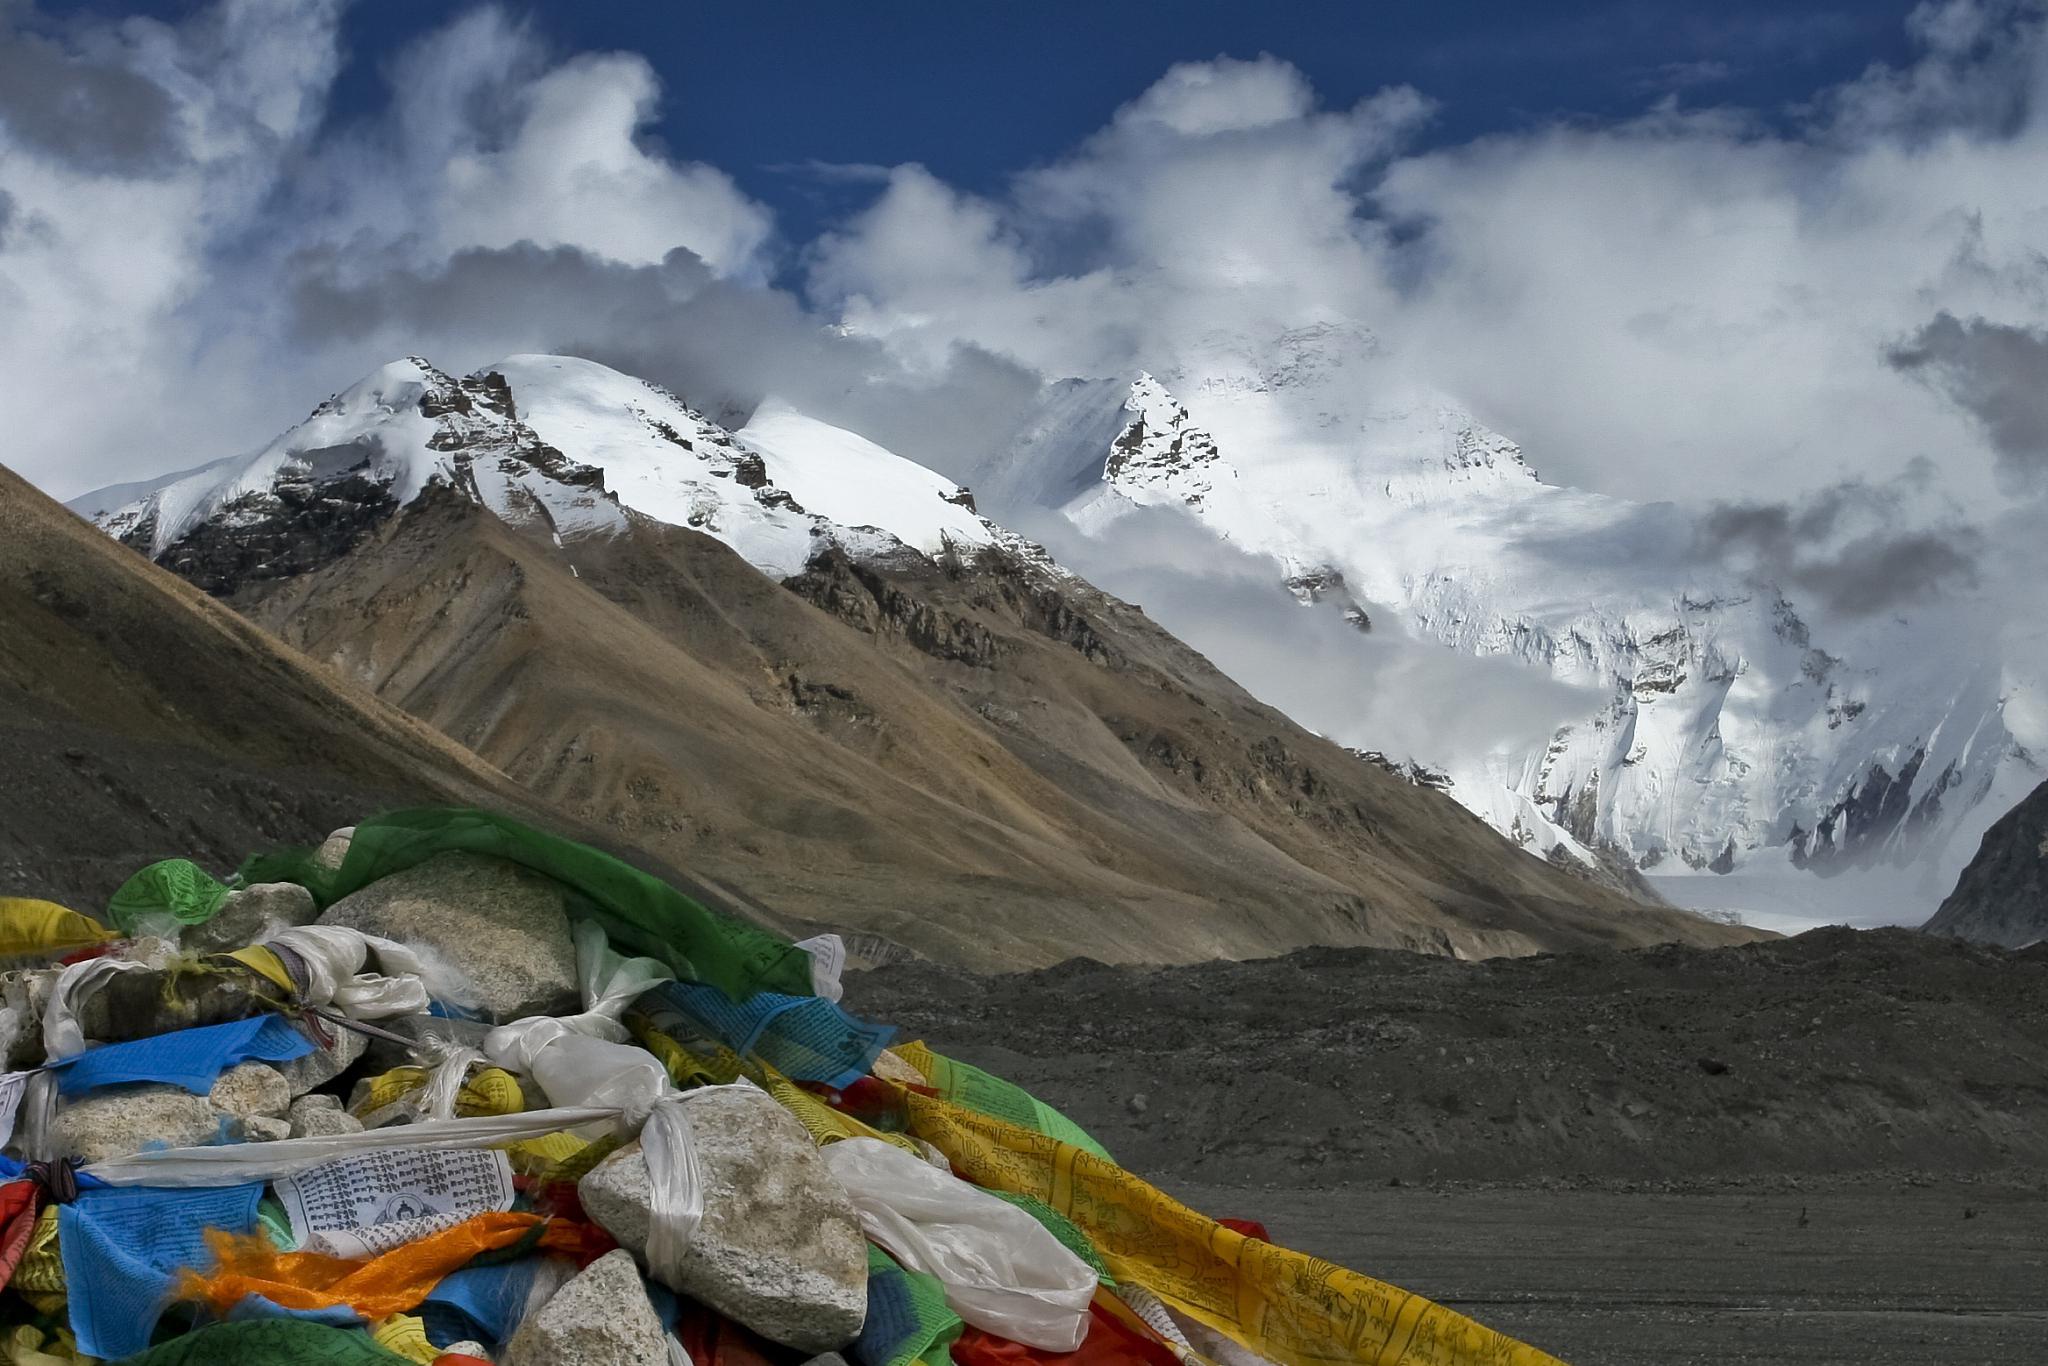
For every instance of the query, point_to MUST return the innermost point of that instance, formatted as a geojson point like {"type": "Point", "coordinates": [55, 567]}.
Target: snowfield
{"type": "Point", "coordinates": [1726, 731]}
{"type": "Point", "coordinates": [577, 445]}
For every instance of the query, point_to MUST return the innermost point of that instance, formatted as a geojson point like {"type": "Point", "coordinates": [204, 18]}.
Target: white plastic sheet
{"type": "Point", "coordinates": [1002, 1270]}
{"type": "Point", "coordinates": [234, 1163]}
{"type": "Point", "coordinates": [610, 982]}
{"type": "Point", "coordinates": [62, 1035]}
{"type": "Point", "coordinates": [676, 1184]}
{"type": "Point", "coordinates": [336, 955]}
{"type": "Point", "coordinates": [828, 963]}
{"type": "Point", "coordinates": [576, 1069]}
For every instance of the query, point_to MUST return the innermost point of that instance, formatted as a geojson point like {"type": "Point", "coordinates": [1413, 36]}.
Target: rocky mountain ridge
{"type": "Point", "coordinates": [156, 722]}
{"type": "Point", "coordinates": [2002, 896]}
{"type": "Point", "coordinates": [790, 660]}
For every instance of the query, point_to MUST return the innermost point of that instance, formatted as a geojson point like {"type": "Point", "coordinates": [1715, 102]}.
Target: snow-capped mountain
{"type": "Point", "coordinates": [974, 753]}
{"type": "Point", "coordinates": [1721, 730]}
{"type": "Point", "coordinates": [777, 492]}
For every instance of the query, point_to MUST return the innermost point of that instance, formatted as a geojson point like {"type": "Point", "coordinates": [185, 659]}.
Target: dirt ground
{"type": "Point", "coordinates": [1884, 1272]}
{"type": "Point", "coordinates": [1826, 1150]}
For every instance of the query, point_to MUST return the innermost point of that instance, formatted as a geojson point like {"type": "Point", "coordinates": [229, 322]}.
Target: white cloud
{"type": "Point", "coordinates": [153, 236]}
{"type": "Point", "coordinates": [107, 256]}
{"type": "Point", "coordinates": [1382, 690]}
{"type": "Point", "coordinates": [1691, 303]}
{"type": "Point", "coordinates": [1221, 194]}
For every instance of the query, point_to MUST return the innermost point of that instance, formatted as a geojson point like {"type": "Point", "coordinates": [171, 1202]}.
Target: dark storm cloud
{"type": "Point", "coordinates": [1996, 373]}
{"type": "Point", "coordinates": [510, 289]}
{"type": "Point", "coordinates": [724, 347]}
{"type": "Point", "coordinates": [1852, 547]}
{"type": "Point", "coordinates": [96, 116]}
{"type": "Point", "coordinates": [1876, 573]}
{"type": "Point", "coordinates": [1841, 546]}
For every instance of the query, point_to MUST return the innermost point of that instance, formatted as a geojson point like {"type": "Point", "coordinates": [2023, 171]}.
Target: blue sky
{"type": "Point", "coordinates": [979, 90]}
{"type": "Point", "coordinates": [1685, 251]}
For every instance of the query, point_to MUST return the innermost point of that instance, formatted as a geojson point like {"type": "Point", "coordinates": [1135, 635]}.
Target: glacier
{"type": "Point", "coordinates": [1723, 732]}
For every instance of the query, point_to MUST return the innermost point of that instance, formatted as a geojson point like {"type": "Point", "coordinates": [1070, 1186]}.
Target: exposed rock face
{"type": "Point", "coordinates": [259, 1128]}
{"type": "Point", "coordinates": [136, 1005]}
{"type": "Point", "coordinates": [964, 727]}
{"type": "Point", "coordinates": [506, 928]}
{"type": "Point", "coordinates": [779, 1248]}
{"type": "Point", "coordinates": [1711, 715]}
{"type": "Point", "coordinates": [155, 720]}
{"type": "Point", "coordinates": [1163, 446]}
{"type": "Point", "coordinates": [601, 1318]}
{"type": "Point", "coordinates": [2002, 897]}
{"type": "Point", "coordinates": [298, 525]}
{"type": "Point", "coordinates": [862, 597]}
{"type": "Point", "coordinates": [334, 848]}
{"type": "Point", "coordinates": [117, 1121]}
{"type": "Point", "coordinates": [23, 995]}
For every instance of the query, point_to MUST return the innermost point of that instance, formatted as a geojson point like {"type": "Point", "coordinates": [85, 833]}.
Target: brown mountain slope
{"type": "Point", "coordinates": [987, 761]}
{"type": "Point", "coordinates": [140, 719]}
{"type": "Point", "coordinates": [2002, 896]}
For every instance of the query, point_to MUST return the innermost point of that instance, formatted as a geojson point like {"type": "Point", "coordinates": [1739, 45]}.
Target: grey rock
{"type": "Point", "coordinates": [779, 1248]}
{"type": "Point", "coordinates": [259, 1129]}
{"type": "Point", "coordinates": [118, 1121]}
{"type": "Point", "coordinates": [24, 994]}
{"type": "Point", "coordinates": [505, 927]}
{"type": "Point", "coordinates": [323, 1065]}
{"type": "Point", "coordinates": [334, 848]}
{"type": "Point", "coordinates": [251, 1088]}
{"type": "Point", "coordinates": [601, 1318]}
{"type": "Point", "coordinates": [320, 1116]}
{"type": "Point", "coordinates": [142, 1005]}
{"type": "Point", "coordinates": [251, 916]}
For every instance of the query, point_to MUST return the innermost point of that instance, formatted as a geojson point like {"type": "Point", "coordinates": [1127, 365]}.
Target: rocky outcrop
{"type": "Point", "coordinates": [321, 1116]}
{"type": "Point", "coordinates": [869, 600]}
{"type": "Point", "coordinates": [296, 525]}
{"type": "Point", "coordinates": [117, 1121]}
{"type": "Point", "coordinates": [2002, 896]}
{"type": "Point", "coordinates": [250, 916]}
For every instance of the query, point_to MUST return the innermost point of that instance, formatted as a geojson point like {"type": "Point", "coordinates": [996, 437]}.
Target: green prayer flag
{"type": "Point", "coordinates": [639, 912]}
{"type": "Point", "coordinates": [174, 886]}
{"type": "Point", "coordinates": [269, 1342]}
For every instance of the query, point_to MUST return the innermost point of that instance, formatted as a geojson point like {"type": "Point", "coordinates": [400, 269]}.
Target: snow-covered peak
{"type": "Point", "coordinates": [852, 482]}
{"type": "Point", "coordinates": [1161, 454]}
{"type": "Point", "coordinates": [1725, 733]}
{"type": "Point", "coordinates": [563, 441]}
